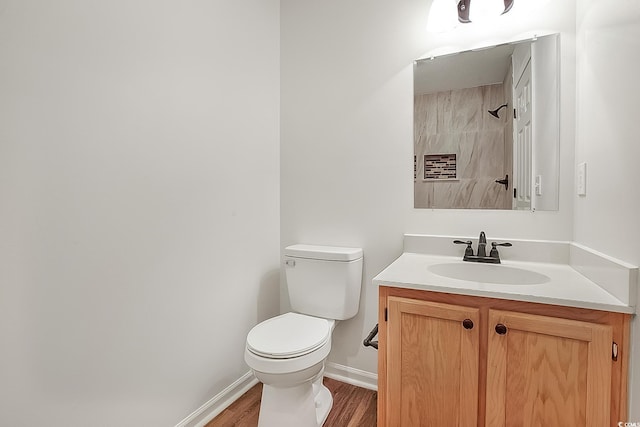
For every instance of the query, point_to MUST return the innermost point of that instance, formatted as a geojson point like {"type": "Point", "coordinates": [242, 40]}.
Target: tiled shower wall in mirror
{"type": "Point", "coordinates": [457, 124]}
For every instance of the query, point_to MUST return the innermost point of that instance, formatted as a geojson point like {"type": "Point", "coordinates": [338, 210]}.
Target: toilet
{"type": "Point", "coordinates": [287, 352]}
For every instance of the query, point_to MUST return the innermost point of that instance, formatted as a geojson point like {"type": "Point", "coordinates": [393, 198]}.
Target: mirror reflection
{"type": "Point", "coordinates": [486, 128]}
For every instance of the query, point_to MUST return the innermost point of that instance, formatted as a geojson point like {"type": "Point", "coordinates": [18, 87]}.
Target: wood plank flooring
{"type": "Point", "coordinates": [352, 407]}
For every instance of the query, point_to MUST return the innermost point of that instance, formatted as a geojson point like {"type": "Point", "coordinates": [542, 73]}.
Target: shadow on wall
{"type": "Point", "coordinates": [350, 344]}
{"type": "Point", "coordinates": [268, 302]}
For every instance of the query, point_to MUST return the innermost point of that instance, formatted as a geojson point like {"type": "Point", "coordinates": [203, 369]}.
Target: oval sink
{"type": "Point", "coordinates": [488, 273]}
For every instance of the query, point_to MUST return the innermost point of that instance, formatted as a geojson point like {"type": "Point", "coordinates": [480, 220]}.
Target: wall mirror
{"type": "Point", "coordinates": [486, 127]}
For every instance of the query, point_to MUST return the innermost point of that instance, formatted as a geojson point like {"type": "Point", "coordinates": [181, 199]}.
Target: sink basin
{"type": "Point", "coordinates": [488, 273]}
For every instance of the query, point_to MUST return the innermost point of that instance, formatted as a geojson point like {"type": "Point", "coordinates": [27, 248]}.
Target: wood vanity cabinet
{"type": "Point", "coordinates": [456, 360]}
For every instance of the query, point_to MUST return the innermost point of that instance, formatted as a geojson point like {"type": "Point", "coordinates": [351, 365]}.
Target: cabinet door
{"type": "Point", "coordinates": [545, 371]}
{"type": "Point", "coordinates": [432, 362]}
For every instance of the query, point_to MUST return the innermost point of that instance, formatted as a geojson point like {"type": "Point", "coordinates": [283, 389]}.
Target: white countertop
{"type": "Point", "coordinates": [565, 287]}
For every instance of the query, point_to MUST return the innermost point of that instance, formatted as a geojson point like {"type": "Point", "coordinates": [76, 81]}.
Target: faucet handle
{"type": "Point", "coordinates": [468, 251]}
{"type": "Point", "coordinates": [463, 242]}
{"type": "Point", "coordinates": [494, 249]}
{"type": "Point", "coordinates": [506, 244]}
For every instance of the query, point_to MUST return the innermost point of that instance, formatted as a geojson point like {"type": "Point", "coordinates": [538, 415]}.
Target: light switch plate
{"type": "Point", "coordinates": [581, 181]}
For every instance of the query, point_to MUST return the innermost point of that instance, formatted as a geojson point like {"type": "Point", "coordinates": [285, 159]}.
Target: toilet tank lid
{"type": "Point", "coordinates": [329, 253]}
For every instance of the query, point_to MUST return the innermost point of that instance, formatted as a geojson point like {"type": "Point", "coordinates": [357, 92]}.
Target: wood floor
{"type": "Point", "coordinates": [352, 407]}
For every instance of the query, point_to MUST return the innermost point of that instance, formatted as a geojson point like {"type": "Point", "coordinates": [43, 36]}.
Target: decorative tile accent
{"type": "Point", "coordinates": [439, 166]}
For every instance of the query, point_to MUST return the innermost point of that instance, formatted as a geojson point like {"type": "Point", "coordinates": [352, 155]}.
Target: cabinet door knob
{"type": "Point", "coordinates": [467, 323]}
{"type": "Point", "coordinates": [501, 329]}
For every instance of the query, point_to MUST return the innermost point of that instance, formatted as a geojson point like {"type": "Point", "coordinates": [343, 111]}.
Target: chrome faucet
{"type": "Point", "coordinates": [494, 256]}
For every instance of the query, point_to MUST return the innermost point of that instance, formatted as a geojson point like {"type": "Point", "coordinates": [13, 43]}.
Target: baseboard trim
{"type": "Point", "coordinates": [351, 376]}
{"type": "Point", "coordinates": [218, 403]}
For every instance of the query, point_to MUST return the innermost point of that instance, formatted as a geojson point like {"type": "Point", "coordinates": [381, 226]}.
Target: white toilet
{"type": "Point", "coordinates": [287, 352]}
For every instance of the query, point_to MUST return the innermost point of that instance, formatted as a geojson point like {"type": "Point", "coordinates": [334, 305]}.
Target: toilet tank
{"type": "Point", "coordinates": [324, 281]}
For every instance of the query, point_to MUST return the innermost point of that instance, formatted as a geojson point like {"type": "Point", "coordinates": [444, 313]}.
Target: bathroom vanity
{"type": "Point", "coordinates": [553, 351]}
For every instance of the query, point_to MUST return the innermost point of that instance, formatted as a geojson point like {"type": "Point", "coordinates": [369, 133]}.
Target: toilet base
{"type": "Point", "coordinates": [324, 402]}
{"type": "Point", "coordinates": [304, 405]}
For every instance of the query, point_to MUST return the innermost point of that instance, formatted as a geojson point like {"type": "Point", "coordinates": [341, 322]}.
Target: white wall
{"type": "Point", "coordinates": [347, 143]}
{"type": "Point", "coordinates": [139, 153]}
{"type": "Point", "coordinates": [607, 218]}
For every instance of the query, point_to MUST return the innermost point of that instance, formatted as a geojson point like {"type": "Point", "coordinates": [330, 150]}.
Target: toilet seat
{"type": "Point", "coordinates": [288, 336]}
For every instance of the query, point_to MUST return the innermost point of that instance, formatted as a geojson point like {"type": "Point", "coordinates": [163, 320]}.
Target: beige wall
{"type": "Point", "coordinates": [139, 213]}
{"type": "Point", "coordinates": [607, 219]}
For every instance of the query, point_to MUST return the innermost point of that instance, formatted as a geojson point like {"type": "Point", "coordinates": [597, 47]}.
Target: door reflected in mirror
{"type": "Point", "coordinates": [486, 128]}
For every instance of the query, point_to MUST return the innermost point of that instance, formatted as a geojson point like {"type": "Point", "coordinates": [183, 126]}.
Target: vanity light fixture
{"type": "Point", "coordinates": [494, 113]}
{"type": "Point", "coordinates": [482, 9]}
{"type": "Point", "coordinates": [444, 17]}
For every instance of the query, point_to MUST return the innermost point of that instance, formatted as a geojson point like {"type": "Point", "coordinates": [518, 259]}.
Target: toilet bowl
{"type": "Point", "coordinates": [287, 352]}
